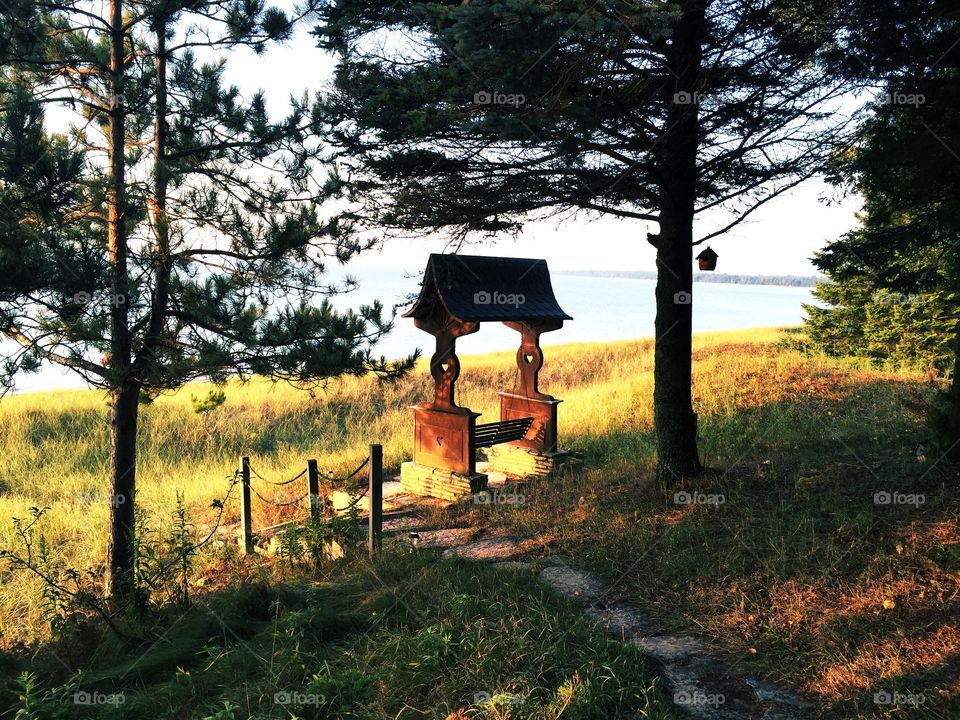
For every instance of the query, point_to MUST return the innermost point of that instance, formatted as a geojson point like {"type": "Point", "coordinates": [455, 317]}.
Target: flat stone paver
{"type": "Point", "coordinates": [768, 692]}
{"type": "Point", "coordinates": [489, 549]}
{"type": "Point", "coordinates": [576, 584]}
{"type": "Point", "coordinates": [619, 619]}
{"type": "Point", "coordinates": [700, 686]}
{"type": "Point", "coordinates": [515, 565]}
{"type": "Point", "coordinates": [442, 539]}
{"type": "Point", "coordinates": [496, 479]}
{"type": "Point", "coordinates": [670, 648]}
{"type": "Point", "coordinates": [404, 522]}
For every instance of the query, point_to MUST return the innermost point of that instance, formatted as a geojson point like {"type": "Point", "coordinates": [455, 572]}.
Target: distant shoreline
{"type": "Point", "coordinates": [780, 280]}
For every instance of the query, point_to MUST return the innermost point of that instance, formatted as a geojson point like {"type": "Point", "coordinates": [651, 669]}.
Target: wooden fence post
{"type": "Point", "coordinates": [376, 498]}
{"type": "Point", "coordinates": [313, 477]}
{"type": "Point", "coordinates": [245, 518]}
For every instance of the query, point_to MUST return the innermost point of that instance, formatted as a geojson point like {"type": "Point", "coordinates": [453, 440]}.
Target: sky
{"type": "Point", "coordinates": [778, 239]}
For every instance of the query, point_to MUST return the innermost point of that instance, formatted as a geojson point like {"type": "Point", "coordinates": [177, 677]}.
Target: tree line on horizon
{"type": "Point", "coordinates": [711, 277]}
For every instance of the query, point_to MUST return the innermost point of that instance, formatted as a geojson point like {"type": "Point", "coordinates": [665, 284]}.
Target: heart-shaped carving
{"type": "Point", "coordinates": [439, 440]}
{"type": "Point", "coordinates": [528, 359]}
{"type": "Point", "coordinates": [445, 366]}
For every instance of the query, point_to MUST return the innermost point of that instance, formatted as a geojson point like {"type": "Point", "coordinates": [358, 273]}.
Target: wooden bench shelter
{"type": "Point", "coordinates": [458, 293]}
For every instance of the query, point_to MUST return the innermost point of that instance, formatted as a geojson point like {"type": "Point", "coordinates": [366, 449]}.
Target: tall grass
{"type": "Point", "coordinates": [54, 446]}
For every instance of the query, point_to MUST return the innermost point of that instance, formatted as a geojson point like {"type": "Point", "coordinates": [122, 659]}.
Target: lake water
{"type": "Point", "coordinates": [602, 309]}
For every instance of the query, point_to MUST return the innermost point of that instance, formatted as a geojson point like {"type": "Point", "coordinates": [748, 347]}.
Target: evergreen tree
{"type": "Point", "coordinates": [176, 230]}
{"type": "Point", "coordinates": [472, 117]}
{"type": "Point", "coordinates": [854, 318]}
{"type": "Point", "coordinates": [896, 291]}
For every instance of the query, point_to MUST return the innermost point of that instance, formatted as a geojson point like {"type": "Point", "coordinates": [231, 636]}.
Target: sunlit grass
{"type": "Point", "coordinates": [795, 566]}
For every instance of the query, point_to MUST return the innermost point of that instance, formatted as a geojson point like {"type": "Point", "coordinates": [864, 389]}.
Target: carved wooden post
{"type": "Point", "coordinates": [529, 359]}
{"type": "Point", "coordinates": [526, 400]}
{"type": "Point", "coordinates": [445, 369]}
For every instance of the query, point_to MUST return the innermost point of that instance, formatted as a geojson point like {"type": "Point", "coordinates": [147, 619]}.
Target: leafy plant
{"type": "Point", "coordinates": [320, 540]}
{"type": "Point", "coordinates": [51, 704]}
{"type": "Point", "coordinates": [227, 712]}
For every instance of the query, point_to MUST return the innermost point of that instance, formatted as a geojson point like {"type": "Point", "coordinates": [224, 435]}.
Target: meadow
{"type": "Point", "coordinates": [802, 574]}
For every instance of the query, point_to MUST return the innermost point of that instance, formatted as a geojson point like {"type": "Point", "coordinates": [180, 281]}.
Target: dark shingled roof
{"type": "Point", "coordinates": [472, 288]}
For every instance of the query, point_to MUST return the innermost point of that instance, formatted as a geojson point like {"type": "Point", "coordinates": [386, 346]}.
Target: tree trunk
{"type": "Point", "coordinates": [123, 455]}
{"type": "Point", "coordinates": [123, 475]}
{"type": "Point", "coordinates": [953, 412]}
{"type": "Point", "coordinates": [675, 422]}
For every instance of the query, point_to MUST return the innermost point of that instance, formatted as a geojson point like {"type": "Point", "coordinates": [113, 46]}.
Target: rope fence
{"type": "Point", "coordinates": [281, 482]}
{"type": "Point", "coordinates": [373, 486]}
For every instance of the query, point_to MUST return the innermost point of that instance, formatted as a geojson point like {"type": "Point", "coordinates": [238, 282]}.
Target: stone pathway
{"type": "Point", "coordinates": [701, 685]}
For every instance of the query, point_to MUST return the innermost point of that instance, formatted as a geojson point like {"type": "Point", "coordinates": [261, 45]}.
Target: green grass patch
{"type": "Point", "coordinates": [408, 636]}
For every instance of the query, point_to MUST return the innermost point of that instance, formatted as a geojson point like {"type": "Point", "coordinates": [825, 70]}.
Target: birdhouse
{"type": "Point", "coordinates": [707, 259]}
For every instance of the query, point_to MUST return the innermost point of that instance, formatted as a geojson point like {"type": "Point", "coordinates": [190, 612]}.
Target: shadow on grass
{"type": "Point", "coordinates": [820, 552]}
{"type": "Point", "coordinates": [402, 637]}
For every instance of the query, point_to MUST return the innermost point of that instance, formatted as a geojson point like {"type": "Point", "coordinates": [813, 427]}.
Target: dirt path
{"type": "Point", "coordinates": [701, 685]}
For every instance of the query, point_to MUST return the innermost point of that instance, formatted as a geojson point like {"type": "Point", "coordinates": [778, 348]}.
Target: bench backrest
{"type": "Point", "coordinates": [500, 432]}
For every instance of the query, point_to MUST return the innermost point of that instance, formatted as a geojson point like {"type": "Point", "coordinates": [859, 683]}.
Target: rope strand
{"type": "Point", "coordinates": [281, 482]}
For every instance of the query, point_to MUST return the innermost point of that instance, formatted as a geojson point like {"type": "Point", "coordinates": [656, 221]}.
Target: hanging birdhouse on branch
{"type": "Point", "coordinates": [707, 259]}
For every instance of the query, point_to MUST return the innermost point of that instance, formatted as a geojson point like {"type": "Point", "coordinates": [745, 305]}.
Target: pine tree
{"type": "Point", "coordinates": [900, 270]}
{"type": "Point", "coordinates": [472, 117]}
{"type": "Point", "coordinates": [176, 230]}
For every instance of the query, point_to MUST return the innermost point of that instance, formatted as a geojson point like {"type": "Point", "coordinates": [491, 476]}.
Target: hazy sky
{"type": "Point", "coordinates": [779, 239]}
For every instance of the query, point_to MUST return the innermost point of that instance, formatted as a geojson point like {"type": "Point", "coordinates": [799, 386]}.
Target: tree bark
{"type": "Point", "coordinates": [675, 422]}
{"type": "Point", "coordinates": [126, 392]}
{"type": "Point", "coordinates": [953, 412]}
{"type": "Point", "coordinates": [123, 475]}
